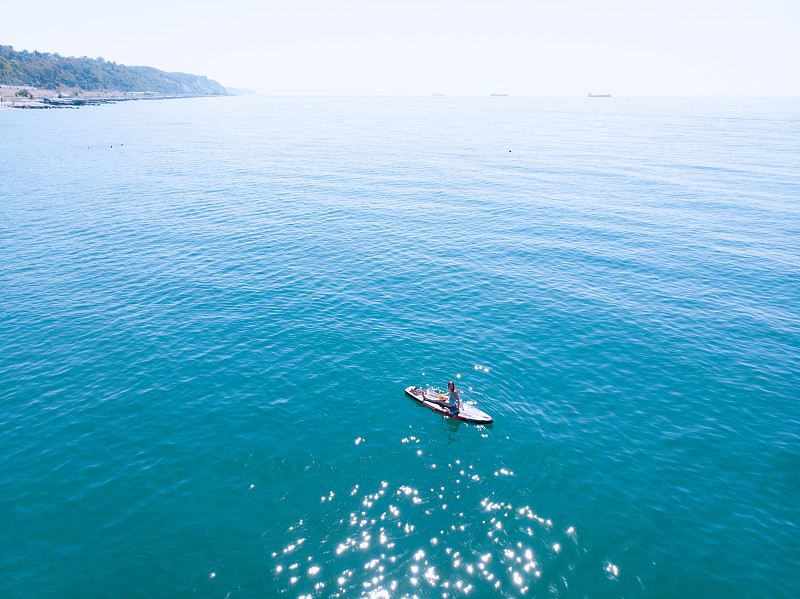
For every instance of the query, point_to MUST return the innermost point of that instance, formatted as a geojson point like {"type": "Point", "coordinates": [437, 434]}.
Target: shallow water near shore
{"type": "Point", "coordinates": [210, 309]}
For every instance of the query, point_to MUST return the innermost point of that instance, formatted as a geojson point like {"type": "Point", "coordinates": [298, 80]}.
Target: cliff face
{"type": "Point", "coordinates": [178, 83]}
{"type": "Point", "coordinates": [51, 71]}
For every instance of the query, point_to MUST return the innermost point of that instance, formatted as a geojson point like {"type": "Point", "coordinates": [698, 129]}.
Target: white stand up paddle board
{"type": "Point", "coordinates": [440, 403]}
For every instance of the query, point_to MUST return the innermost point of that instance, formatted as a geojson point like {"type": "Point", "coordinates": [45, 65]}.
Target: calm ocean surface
{"type": "Point", "coordinates": [209, 310]}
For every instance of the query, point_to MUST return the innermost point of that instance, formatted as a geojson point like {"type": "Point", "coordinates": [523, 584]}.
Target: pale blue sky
{"type": "Point", "coordinates": [533, 48]}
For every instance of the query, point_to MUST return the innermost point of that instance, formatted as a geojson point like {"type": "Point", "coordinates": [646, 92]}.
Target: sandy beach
{"type": "Point", "coordinates": [38, 98]}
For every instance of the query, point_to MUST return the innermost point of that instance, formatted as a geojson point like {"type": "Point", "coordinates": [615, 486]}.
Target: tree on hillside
{"type": "Point", "coordinates": [53, 71]}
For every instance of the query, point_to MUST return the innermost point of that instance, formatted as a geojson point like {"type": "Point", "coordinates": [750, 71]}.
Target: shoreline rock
{"type": "Point", "coordinates": [37, 98]}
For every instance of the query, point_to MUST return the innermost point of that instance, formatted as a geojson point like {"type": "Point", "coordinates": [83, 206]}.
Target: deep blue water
{"type": "Point", "coordinates": [209, 310]}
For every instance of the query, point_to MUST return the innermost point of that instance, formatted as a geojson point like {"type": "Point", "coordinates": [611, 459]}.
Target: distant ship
{"type": "Point", "coordinates": [590, 95]}
{"type": "Point", "coordinates": [499, 95]}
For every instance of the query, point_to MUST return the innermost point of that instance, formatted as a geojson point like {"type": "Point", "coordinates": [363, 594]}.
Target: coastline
{"type": "Point", "coordinates": [38, 98]}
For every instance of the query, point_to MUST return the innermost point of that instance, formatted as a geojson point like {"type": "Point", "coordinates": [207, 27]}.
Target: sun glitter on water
{"type": "Point", "coordinates": [403, 540]}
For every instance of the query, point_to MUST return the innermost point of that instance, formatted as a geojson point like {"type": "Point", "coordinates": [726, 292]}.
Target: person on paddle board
{"type": "Point", "coordinates": [451, 389]}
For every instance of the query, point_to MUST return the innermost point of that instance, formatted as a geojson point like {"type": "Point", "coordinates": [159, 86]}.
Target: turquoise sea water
{"type": "Point", "coordinates": [209, 310]}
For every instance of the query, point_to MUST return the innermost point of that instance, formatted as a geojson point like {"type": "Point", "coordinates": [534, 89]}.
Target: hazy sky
{"type": "Point", "coordinates": [536, 48]}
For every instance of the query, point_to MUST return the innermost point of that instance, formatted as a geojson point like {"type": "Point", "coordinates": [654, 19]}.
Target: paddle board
{"type": "Point", "coordinates": [430, 399]}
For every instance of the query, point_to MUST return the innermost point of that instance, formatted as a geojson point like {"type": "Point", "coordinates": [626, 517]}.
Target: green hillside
{"type": "Point", "coordinates": [52, 71]}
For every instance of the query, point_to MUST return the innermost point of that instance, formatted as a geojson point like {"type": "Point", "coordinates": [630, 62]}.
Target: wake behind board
{"type": "Point", "coordinates": [431, 400]}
